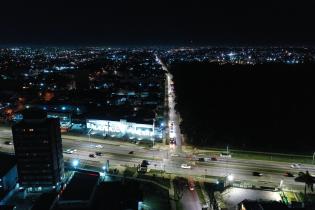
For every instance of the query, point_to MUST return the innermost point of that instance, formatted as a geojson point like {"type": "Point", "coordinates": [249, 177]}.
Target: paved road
{"type": "Point", "coordinates": [117, 153]}
{"type": "Point", "coordinates": [190, 200]}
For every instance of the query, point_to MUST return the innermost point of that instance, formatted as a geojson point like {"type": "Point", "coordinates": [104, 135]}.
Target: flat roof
{"type": "Point", "coordinates": [45, 201]}
{"type": "Point", "coordinates": [7, 161]}
{"type": "Point", "coordinates": [80, 187]}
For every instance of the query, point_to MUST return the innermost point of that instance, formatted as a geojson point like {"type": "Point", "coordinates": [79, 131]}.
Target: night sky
{"type": "Point", "coordinates": [137, 22]}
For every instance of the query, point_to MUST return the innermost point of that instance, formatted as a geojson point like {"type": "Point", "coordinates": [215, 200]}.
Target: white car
{"type": "Point", "coordinates": [296, 165]}
{"type": "Point", "coordinates": [69, 151]}
{"type": "Point", "coordinates": [174, 155]}
{"type": "Point", "coordinates": [225, 155]}
{"type": "Point", "coordinates": [185, 166]}
{"type": "Point", "coordinates": [99, 146]}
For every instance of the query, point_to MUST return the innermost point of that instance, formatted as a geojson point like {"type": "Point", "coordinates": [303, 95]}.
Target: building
{"type": "Point", "coordinates": [78, 195]}
{"type": "Point", "coordinates": [8, 174]}
{"type": "Point", "coordinates": [261, 205]}
{"type": "Point", "coordinates": [38, 150]}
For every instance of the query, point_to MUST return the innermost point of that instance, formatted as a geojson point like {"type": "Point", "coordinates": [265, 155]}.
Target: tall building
{"type": "Point", "coordinates": [38, 150]}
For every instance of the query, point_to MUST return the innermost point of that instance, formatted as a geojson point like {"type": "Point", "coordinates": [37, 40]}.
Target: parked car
{"type": "Point", "coordinates": [130, 153]}
{"type": "Point", "coordinates": [91, 155]}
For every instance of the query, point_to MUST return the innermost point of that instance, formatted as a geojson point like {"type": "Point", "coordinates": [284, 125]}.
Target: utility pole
{"type": "Point", "coordinates": [89, 134]}
{"type": "Point", "coordinates": [153, 131]}
{"type": "Point", "coordinates": [313, 158]}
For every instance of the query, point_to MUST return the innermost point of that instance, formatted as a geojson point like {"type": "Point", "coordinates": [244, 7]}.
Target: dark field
{"type": "Point", "coordinates": [261, 107]}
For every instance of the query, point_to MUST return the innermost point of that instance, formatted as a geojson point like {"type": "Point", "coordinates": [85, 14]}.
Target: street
{"type": "Point", "coordinates": [117, 154]}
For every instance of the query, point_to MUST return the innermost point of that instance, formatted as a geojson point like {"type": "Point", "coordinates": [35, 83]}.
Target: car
{"type": "Point", "coordinates": [99, 146]}
{"type": "Point", "coordinates": [91, 155]}
{"type": "Point", "coordinates": [214, 158]}
{"type": "Point", "coordinates": [130, 153]}
{"type": "Point", "coordinates": [296, 165]}
{"type": "Point", "coordinates": [257, 173]}
{"type": "Point", "coordinates": [201, 159]}
{"type": "Point", "coordinates": [8, 142]}
{"type": "Point", "coordinates": [191, 185]}
{"type": "Point", "coordinates": [288, 174]}
{"type": "Point", "coordinates": [68, 151]}
{"type": "Point", "coordinates": [172, 141]}
{"type": "Point", "coordinates": [98, 154]}
{"type": "Point", "coordinates": [185, 166]}
{"type": "Point", "coordinates": [225, 155]}
{"type": "Point", "coordinates": [174, 155]}
{"type": "Point", "coordinates": [145, 163]}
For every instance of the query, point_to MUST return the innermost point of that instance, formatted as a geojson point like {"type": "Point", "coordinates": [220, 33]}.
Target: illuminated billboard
{"type": "Point", "coordinates": [121, 128]}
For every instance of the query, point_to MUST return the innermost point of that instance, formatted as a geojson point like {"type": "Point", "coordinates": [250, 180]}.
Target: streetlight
{"type": "Point", "coordinates": [230, 177]}
{"type": "Point", "coordinates": [104, 170]}
{"type": "Point", "coordinates": [75, 163]}
{"type": "Point", "coordinates": [281, 183]}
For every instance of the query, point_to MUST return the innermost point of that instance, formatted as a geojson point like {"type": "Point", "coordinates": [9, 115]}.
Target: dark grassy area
{"type": "Point", "coordinates": [118, 196]}
{"type": "Point", "coordinates": [129, 172]}
{"type": "Point", "coordinates": [261, 107]}
{"type": "Point", "coordinates": [244, 154]}
{"type": "Point", "coordinates": [157, 178]}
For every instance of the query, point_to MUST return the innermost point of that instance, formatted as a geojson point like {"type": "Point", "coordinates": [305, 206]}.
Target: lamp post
{"type": "Point", "coordinates": [75, 163]}
{"type": "Point", "coordinates": [313, 158]}
{"type": "Point", "coordinates": [104, 171]}
{"type": "Point", "coordinates": [153, 131]}
{"type": "Point", "coordinates": [89, 134]}
{"type": "Point", "coordinates": [229, 179]}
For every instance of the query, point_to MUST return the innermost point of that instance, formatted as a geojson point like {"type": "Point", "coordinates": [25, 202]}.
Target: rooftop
{"type": "Point", "coordinates": [76, 191]}
{"type": "Point", "coordinates": [7, 162]}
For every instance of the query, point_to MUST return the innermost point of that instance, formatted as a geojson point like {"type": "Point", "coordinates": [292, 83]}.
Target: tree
{"type": "Point", "coordinates": [308, 179]}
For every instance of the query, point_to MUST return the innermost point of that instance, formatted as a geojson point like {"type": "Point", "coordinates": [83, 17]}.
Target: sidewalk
{"type": "Point", "coordinates": [171, 192]}
{"type": "Point", "coordinates": [205, 194]}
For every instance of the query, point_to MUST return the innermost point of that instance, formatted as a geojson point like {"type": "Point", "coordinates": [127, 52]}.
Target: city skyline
{"type": "Point", "coordinates": [157, 105]}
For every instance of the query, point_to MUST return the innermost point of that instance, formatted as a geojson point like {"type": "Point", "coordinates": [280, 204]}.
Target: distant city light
{"type": "Point", "coordinates": [231, 54]}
